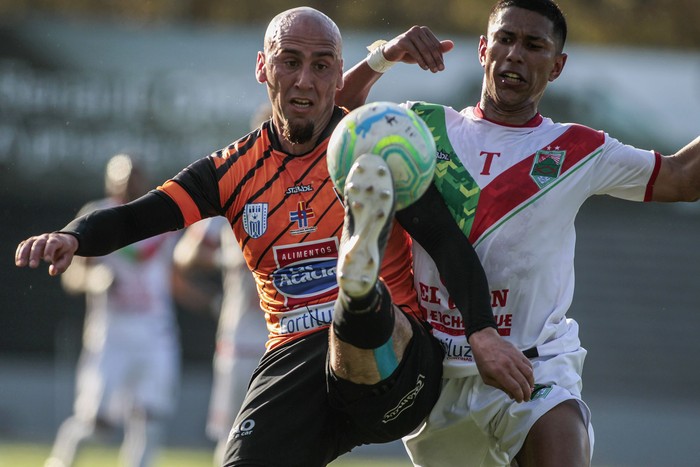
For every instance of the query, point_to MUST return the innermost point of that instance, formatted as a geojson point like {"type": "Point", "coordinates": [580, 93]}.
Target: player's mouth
{"type": "Point", "coordinates": [510, 77]}
{"type": "Point", "coordinates": [301, 103]}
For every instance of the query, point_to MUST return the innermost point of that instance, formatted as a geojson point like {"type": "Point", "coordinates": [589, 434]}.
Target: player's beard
{"type": "Point", "coordinates": [298, 133]}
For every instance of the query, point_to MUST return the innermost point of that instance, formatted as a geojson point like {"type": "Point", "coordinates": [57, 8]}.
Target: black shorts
{"type": "Point", "coordinates": [297, 413]}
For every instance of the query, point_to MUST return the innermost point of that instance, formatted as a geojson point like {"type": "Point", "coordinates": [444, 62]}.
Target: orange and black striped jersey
{"type": "Point", "coordinates": [287, 218]}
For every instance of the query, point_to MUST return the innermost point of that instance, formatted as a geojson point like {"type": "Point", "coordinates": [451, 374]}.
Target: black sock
{"type": "Point", "coordinates": [366, 323]}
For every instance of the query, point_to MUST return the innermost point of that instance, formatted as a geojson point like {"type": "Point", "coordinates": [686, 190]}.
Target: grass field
{"type": "Point", "coordinates": [33, 455]}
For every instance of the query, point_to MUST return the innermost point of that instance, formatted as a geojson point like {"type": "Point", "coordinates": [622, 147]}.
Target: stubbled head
{"type": "Point", "coordinates": [302, 66]}
{"type": "Point", "coordinates": [287, 20]}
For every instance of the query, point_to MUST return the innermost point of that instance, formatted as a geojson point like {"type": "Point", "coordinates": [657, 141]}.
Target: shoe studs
{"type": "Point", "coordinates": [369, 201]}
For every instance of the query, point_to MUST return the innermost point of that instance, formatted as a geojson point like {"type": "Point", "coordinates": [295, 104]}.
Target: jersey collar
{"type": "Point", "coordinates": [533, 122]}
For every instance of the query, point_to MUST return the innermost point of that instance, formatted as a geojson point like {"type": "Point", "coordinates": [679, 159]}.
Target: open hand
{"type": "Point", "coordinates": [55, 248]}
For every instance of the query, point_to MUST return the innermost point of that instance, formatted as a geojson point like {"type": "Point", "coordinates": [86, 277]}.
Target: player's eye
{"type": "Point", "coordinates": [505, 39]}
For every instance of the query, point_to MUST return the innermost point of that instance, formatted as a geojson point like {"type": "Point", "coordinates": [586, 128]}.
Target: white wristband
{"type": "Point", "coordinates": [376, 59]}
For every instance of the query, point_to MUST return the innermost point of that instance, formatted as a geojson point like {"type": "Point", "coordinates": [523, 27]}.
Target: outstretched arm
{"type": "Point", "coordinates": [500, 363]}
{"type": "Point", "coordinates": [100, 232]}
{"type": "Point", "coordinates": [418, 46]}
{"type": "Point", "coordinates": [679, 176]}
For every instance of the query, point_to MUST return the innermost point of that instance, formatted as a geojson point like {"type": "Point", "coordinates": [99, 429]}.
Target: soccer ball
{"type": "Point", "coordinates": [396, 134]}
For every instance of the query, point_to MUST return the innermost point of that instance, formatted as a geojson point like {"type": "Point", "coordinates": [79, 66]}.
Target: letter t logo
{"type": "Point", "coordinates": [487, 163]}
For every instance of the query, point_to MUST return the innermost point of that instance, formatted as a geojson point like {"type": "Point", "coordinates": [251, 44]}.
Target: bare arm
{"type": "Point", "coordinates": [418, 46]}
{"type": "Point", "coordinates": [679, 176]}
{"type": "Point", "coordinates": [502, 365]}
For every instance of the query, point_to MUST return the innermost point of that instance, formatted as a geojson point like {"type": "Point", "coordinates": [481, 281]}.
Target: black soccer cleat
{"type": "Point", "coordinates": [369, 212]}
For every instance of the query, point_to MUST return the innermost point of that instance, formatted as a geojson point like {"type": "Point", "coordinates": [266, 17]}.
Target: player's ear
{"type": "Point", "coordinates": [341, 80]}
{"type": "Point", "coordinates": [559, 63]}
{"type": "Point", "coordinates": [483, 45]}
{"type": "Point", "coordinates": [260, 71]}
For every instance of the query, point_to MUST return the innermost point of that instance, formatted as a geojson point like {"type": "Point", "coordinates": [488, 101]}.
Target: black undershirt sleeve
{"type": "Point", "coordinates": [106, 230]}
{"type": "Point", "coordinates": [430, 223]}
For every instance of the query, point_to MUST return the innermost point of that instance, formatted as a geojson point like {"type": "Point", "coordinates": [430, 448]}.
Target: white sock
{"type": "Point", "coordinates": [72, 432]}
{"type": "Point", "coordinates": [142, 440]}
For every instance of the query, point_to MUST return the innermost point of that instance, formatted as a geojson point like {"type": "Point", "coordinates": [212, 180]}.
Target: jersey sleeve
{"type": "Point", "coordinates": [195, 190]}
{"type": "Point", "coordinates": [430, 223]}
{"type": "Point", "coordinates": [103, 231]}
{"type": "Point", "coordinates": [626, 172]}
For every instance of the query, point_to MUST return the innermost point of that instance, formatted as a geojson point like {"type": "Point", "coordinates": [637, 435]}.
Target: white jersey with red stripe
{"type": "Point", "coordinates": [135, 308]}
{"type": "Point", "coordinates": [515, 191]}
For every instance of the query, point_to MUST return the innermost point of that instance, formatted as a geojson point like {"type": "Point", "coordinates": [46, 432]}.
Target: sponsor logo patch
{"type": "Point", "coordinates": [305, 271]}
{"type": "Point", "coordinates": [301, 216]}
{"type": "Point", "coordinates": [443, 156]}
{"type": "Point", "coordinates": [547, 166]}
{"type": "Point", "coordinates": [306, 318]}
{"type": "Point", "coordinates": [456, 349]}
{"type": "Point", "coordinates": [293, 190]}
{"type": "Point", "coordinates": [405, 402]}
{"type": "Point", "coordinates": [245, 428]}
{"type": "Point", "coordinates": [540, 392]}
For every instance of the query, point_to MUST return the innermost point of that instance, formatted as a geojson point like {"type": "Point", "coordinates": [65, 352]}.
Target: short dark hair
{"type": "Point", "coordinates": [546, 8]}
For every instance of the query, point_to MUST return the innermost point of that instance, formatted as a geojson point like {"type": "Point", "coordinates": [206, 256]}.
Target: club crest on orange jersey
{"type": "Point", "coordinates": [255, 219]}
{"type": "Point", "coordinates": [547, 166]}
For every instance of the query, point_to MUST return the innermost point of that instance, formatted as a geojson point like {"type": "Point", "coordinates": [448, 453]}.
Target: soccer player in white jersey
{"type": "Point", "coordinates": [514, 180]}
{"type": "Point", "coordinates": [129, 367]}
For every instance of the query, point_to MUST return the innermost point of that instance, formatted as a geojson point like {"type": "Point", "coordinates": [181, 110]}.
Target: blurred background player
{"type": "Point", "coordinates": [241, 332]}
{"type": "Point", "coordinates": [129, 367]}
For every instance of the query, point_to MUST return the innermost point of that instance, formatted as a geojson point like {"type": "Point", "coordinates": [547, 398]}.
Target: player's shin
{"type": "Point", "coordinates": [368, 323]}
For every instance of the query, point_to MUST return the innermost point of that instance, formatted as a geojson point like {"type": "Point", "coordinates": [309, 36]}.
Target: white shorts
{"type": "Point", "coordinates": [119, 379]}
{"type": "Point", "coordinates": [474, 424]}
